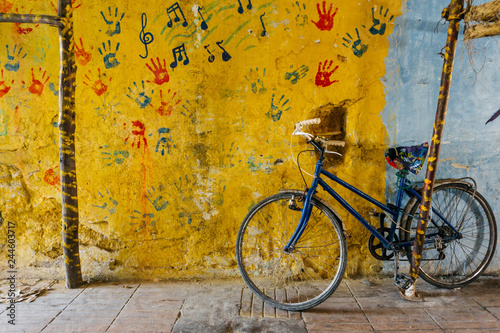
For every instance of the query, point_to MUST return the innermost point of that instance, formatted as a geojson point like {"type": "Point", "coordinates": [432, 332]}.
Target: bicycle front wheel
{"type": "Point", "coordinates": [453, 263]}
{"type": "Point", "coordinates": [302, 277]}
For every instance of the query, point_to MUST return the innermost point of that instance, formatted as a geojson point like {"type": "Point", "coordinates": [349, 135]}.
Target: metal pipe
{"type": "Point", "coordinates": [30, 18]}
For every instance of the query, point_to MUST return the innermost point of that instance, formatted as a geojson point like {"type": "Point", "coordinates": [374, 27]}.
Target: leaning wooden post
{"type": "Point", "coordinates": [67, 147]}
{"type": "Point", "coordinates": [454, 14]}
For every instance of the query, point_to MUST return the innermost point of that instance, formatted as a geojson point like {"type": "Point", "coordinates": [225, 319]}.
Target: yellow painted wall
{"type": "Point", "coordinates": [169, 163]}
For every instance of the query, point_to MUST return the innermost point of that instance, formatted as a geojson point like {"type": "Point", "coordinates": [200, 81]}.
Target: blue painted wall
{"type": "Point", "coordinates": [470, 146]}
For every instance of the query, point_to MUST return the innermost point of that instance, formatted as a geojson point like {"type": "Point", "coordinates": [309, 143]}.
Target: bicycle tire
{"type": "Point", "coordinates": [462, 260]}
{"type": "Point", "coordinates": [303, 278]}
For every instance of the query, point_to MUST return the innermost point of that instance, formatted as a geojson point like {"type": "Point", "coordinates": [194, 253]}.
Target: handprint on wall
{"type": "Point", "coordinates": [164, 141]}
{"type": "Point", "coordinates": [109, 57]}
{"type": "Point", "coordinates": [277, 110]}
{"type": "Point", "coordinates": [37, 85]}
{"type": "Point", "coordinates": [356, 46]}
{"type": "Point", "coordinates": [53, 178]}
{"type": "Point", "coordinates": [159, 71]}
{"type": "Point", "coordinates": [139, 96]}
{"type": "Point", "coordinates": [4, 88]}
{"type": "Point", "coordinates": [113, 23]}
{"type": "Point", "coordinates": [42, 47]}
{"type": "Point", "coordinates": [81, 55]}
{"type": "Point", "coordinates": [154, 196]}
{"type": "Point", "coordinates": [118, 156]}
{"type": "Point", "coordinates": [13, 59]}
{"type": "Point", "coordinates": [165, 109]}
{"type": "Point", "coordinates": [301, 18]}
{"type": "Point", "coordinates": [138, 132]}
{"type": "Point", "coordinates": [324, 73]}
{"type": "Point", "coordinates": [142, 220]}
{"type": "Point", "coordinates": [24, 28]}
{"type": "Point", "coordinates": [106, 202]}
{"type": "Point", "coordinates": [256, 83]}
{"type": "Point", "coordinates": [325, 21]}
{"type": "Point", "coordinates": [5, 6]}
{"type": "Point", "coordinates": [297, 74]}
{"type": "Point", "coordinates": [379, 26]}
{"type": "Point", "coordinates": [96, 84]}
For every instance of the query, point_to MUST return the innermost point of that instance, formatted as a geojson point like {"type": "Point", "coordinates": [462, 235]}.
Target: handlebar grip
{"type": "Point", "coordinates": [308, 122]}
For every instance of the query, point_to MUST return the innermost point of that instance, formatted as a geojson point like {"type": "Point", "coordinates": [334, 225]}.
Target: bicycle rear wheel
{"type": "Point", "coordinates": [303, 277]}
{"type": "Point", "coordinates": [457, 262]}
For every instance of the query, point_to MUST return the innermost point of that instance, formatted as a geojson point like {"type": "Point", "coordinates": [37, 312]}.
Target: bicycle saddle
{"type": "Point", "coordinates": [409, 158]}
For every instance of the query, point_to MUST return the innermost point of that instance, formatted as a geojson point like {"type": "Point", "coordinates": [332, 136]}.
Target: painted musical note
{"type": "Point", "coordinates": [173, 9]}
{"type": "Point", "coordinates": [145, 37]}
{"type": "Point", "coordinates": [263, 33]}
{"type": "Point", "coordinates": [204, 25]}
{"type": "Point", "coordinates": [178, 56]}
{"type": "Point", "coordinates": [211, 57]}
{"type": "Point", "coordinates": [225, 55]}
{"type": "Point", "coordinates": [240, 8]}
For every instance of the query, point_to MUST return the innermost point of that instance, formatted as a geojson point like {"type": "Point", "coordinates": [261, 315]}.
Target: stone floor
{"type": "Point", "coordinates": [227, 306]}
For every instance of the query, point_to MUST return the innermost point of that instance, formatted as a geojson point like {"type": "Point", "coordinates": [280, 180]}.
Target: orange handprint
{"type": "Point", "coordinates": [81, 56]}
{"type": "Point", "coordinates": [37, 86]}
{"type": "Point", "coordinates": [165, 109]}
{"type": "Point", "coordinates": [325, 21]}
{"type": "Point", "coordinates": [20, 29]}
{"type": "Point", "coordinates": [52, 177]}
{"type": "Point", "coordinates": [160, 72]}
{"type": "Point", "coordinates": [5, 6]}
{"type": "Point", "coordinates": [323, 75]}
{"type": "Point", "coordinates": [4, 89]}
{"type": "Point", "coordinates": [98, 86]}
{"type": "Point", "coordinates": [138, 131]}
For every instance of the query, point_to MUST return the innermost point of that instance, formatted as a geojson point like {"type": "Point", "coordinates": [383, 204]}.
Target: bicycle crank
{"type": "Point", "coordinates": [376, 248]}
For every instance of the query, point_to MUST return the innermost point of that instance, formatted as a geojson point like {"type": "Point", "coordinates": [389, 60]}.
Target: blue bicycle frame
{"type": "Point", "coordinates": [394, 211]}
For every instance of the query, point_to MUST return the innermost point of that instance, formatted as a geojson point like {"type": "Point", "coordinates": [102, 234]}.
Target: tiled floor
{"type": "Point", "coordinates": [224, 306]}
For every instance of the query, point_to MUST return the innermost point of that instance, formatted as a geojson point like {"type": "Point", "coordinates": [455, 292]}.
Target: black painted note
{"type": "Point", "coordinates": [174, 9]}
{"type": "Point", "coordinates": [225, 56]}
{"type": "Point", "coordinates": [204, 25]}
{"type": "Point", "coordinates": [145, 37]}
{"type": "Point", "coordinates": [179, 54]}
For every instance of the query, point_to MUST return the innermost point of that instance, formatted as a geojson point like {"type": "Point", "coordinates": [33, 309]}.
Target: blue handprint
{"type": "Point", "coordinates": [380, 31]}
{"type": "Point", "coordinates": [109, 59]}
{"type": "Point", "coordinates": [357, 47]}
{"type": "Point", "coordinates": [13, 60]}
{"type": "Point", "coordinates": [143, 220]}
{"type": "Point", "coordinates": [117, 157]}
{"type": "Point", "coordinates": [42, 48]}
{"type": "Point", "coordinates": [276, 110]}
{"type": "Point", "coordinates": [107, 203]}
{"type": "Point", "coordinates": [142, 99]}
{"type": "Point", "coordinates": [297, 74]}
{"type": "Point", "coordinates": [164, 141]}
{"type": "Point", "coordinates": [159, 202]}
{"type": "Point", "coordinates": [114, 27]}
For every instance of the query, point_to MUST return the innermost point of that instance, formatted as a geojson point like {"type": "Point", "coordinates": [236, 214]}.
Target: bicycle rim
{"type": "Point", "coordinates": [302, 278]}
{"type": "Point", "coordinates": [456, 263]}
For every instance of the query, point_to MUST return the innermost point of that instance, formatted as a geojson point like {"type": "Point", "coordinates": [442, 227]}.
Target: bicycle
{"type": "Point", "coordinates": [291, 247]}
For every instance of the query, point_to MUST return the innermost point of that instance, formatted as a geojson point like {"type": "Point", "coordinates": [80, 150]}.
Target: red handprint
{"type": "Point", "coordinates": [165, 109]}
{"type": "Point", "coordinates": [81, 56]}
{"type": "Point", "coordinates": [19, 29]}
{"type": "Point", "coordinates": [53, 178]}
{"type": "Point", "coordinates": [138, 132]}
{"type": "Point", "coordinates": [4, 89]}
{"type": "Point", "coordinates": [98, 86]}
{"type": "Point", "coordinates": [37, 86]}
{"type": "Point", "coordinates": [5, 6]}
{"type": "Point", "coordinates": [323, 75]}
{"type": "Point", "coordinates": [325, 21]}
{"type": "Point", "coordinates": [160, 72]}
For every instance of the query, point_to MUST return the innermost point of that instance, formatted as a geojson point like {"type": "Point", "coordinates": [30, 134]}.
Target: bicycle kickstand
{"type": "Point", "coordinates": [402, 280]}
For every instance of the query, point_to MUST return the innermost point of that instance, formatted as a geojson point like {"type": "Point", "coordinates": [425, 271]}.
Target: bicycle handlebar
{"type": "Point", "coordinates": [308, 136]}
{"type": "Point", "coordinates": [303, 123]}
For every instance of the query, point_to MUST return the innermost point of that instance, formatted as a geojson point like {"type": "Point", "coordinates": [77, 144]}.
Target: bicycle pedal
{"type": "Point", "coordinates": [403, 281]}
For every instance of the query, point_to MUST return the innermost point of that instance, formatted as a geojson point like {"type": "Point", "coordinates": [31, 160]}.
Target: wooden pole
{"type": "Point", "coordinates": [454, 14]}
{"type": "Point", "coordinates": [67, 128]}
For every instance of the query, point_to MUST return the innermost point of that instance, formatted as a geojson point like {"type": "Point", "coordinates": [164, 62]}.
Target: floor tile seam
{"type": "Point", "coordinates": [357, 302]}
{"type": "Point", "coordinates": [434, 320]}
{"type": "Point", "coordinates": [480, 305]}
{"type": "Point", "coordinates": [57, 315]}
{"type": "Point", "coordinates": [132, 295]}
{"type": "Point", "coordinates": [179, 315]}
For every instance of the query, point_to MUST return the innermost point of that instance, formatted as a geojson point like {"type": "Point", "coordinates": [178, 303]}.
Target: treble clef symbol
{"type": "Point", "coordinates": [145, 37]}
